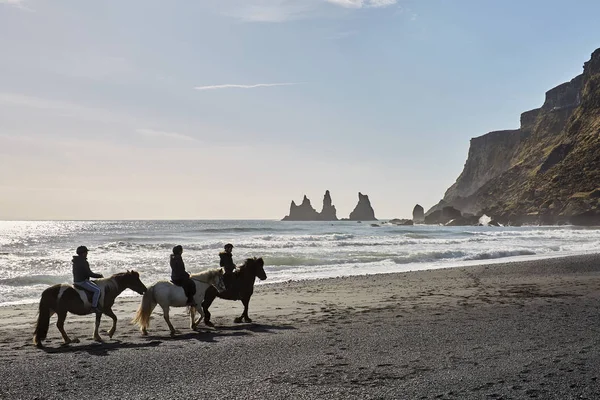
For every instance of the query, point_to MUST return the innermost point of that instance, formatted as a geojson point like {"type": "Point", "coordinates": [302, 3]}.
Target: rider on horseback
{"type": "Point", "coordinates": [227, 264]}
{"type": "Point", "coordinates": [180, 277]}
{"type": "Point", "coordinates": [82, 274]}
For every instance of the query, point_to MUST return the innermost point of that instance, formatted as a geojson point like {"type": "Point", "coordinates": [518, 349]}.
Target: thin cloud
{"type": "Point", "coordinates": [16, 3]}
{"type": "Point", "coordinates": [363, 3]}
{"type": "Point", "coordinates": [59, 108]}
{"type": "Point", "coordinates": [235, 86]}
{"type": "Point", "coordinates": [278, 11]}
{"type": "Point", "coordinates": [169, 135]}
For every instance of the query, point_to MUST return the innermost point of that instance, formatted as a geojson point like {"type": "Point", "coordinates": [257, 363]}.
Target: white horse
{"type": "Point", "coordinates": [167, 294]}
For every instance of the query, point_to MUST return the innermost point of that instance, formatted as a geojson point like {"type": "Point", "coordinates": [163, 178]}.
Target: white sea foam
{"type": "Point", "coordinates": [34, 254]}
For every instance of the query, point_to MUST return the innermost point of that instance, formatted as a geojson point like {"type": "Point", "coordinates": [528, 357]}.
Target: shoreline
{"type": "Point", "coordinates": [426, 267]}
{"type": "Point", "coordinates": [509, 330]}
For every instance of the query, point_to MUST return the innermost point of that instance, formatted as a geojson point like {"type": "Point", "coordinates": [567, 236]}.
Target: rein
{"type": "Point", "coordinates": [197, 279]}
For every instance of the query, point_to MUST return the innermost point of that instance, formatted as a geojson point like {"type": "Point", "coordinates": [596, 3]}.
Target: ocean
{"type": "Point", "coordinates": [36, 254]}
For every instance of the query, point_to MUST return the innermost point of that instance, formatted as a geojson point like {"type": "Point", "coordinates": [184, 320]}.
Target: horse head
{"type": "Point", "coordinates": [131, 280]}
{"type": "Point", "coordinates": [257, 267]}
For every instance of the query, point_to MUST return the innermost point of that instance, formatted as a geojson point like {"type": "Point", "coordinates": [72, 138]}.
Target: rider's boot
{"type": "Point", "coordinates": [191, 302]}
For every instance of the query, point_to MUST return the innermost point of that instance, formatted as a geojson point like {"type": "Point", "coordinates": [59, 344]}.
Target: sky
{"type": "Point", "coordinates": [231, 109]}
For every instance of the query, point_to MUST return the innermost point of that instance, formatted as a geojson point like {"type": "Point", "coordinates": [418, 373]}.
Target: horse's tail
{"type": "Point", "coordinates": [142, 316]}
{"type": "Point", "coordinates": [46, 309]}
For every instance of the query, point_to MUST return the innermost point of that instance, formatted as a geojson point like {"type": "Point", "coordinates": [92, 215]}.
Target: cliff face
{"type": "Point", "coordinates": [549, 167]}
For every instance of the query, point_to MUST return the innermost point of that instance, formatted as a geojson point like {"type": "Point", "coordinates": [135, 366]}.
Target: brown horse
{"type": "Point", "coordinates": [240, 286]}
{"type": "Point", "coordinates": [64, 298]}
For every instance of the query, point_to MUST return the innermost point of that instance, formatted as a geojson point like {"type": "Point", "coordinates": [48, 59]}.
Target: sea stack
{"type": "Point", "coordinates": [363, 210]}
{"type": "Point", "coordinates": [418, 214]}
{"type": "Point", "coordinates": [305, 211]}
{"type": "Point", "coordinates": [328, 213]}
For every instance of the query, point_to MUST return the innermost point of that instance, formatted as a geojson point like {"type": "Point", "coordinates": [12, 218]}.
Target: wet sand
{"type": "Point", "coordinates": [504, 331]}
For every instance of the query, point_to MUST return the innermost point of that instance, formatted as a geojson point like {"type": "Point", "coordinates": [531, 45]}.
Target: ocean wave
{"type": "Point", "coordinates": [488, 255]}
{"type": "Point", "coordinates": [30, 280]}
{"type": "Point", "coordinates": [166, 247]}
{"type": "Point", "coordinates": [424, 257]}
{"type": "Point", "coordinates": [235, 229]}
{"type": "Point", "coordinates": [277, 263]}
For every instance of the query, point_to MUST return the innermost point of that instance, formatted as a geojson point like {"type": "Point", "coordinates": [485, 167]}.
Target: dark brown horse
{"type": "Point", "coordinates": [63, 298]}
{"type": "Point", "coordinates": [240, 286]}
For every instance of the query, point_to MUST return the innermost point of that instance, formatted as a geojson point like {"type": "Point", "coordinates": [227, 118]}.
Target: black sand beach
{"type": "Point", "coordinates": [504, 331]}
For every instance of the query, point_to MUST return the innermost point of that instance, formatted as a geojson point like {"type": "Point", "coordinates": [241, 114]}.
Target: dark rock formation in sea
{"type": "Point", "coordinates": [418, 214]}
{"type": "Point", "coordinates": [401, 221]}
{"type": "Point", "coordinates": [363, 210]}
{"type": "Point", "coordinates": [306, 212]}
{"type": "Point", "coordinates": [328, 213]}
{"type": "Point", "coordinates": [303, 212]}
{"type": "Point", "coordinates": [443, 216]}
{"type": "Point", "coordinates": [545, 172]}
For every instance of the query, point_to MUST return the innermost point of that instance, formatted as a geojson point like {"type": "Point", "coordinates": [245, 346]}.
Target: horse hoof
{"type": "Point", "coordinates": [144, 333]}
{"type": "Point", "coordinates": [248, 320]}
{"type": "Point", "coordinates": [238, 320]}
{"type": "Point", "coordinates": [208, 323]}
{"type": "Point", "coordinates": [75, 340]}
{"type": "Point", "coordinates": [98, 339]}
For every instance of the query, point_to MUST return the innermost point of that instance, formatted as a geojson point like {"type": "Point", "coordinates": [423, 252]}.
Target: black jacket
{"type": "Point", "coordinates": [81, 270]}
{"type": "Point", "coordinates": [178, 268]}
{"type": "Point", "coordinates": [226, 261]}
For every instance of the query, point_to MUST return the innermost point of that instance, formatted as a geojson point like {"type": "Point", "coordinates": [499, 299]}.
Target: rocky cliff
{"type": "Point", "coordinates": [548, 170]}
{"type": "Point", "coordinates": [363, 210]}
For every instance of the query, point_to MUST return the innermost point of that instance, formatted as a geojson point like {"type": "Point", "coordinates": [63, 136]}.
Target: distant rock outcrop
{"type": "Point", "coordinates": [363, 210]}
{"type": "Point", "coordinates": [442, 216]}
{"type": "Point", "coordinates": [305, 211]}
{"type": "Point", "coordinates": [418, 214]}
{"type": "Point", "coordinates": [328, 213]}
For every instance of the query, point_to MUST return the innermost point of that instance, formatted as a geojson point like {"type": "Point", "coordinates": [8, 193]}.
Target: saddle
{"type": "Point", "coordinates": [86, 295]}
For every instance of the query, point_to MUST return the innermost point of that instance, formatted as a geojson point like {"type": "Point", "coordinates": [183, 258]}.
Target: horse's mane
{"type": "Point", "coordinates": [248, 262]}
{"type": "Point", "coordinates": [206, 274]}
{"type": "Point", "coordinates": [120, 274]}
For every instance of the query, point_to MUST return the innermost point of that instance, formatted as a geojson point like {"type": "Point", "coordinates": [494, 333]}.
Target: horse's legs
{"type": "Point", "coordinates": [166, 315]}
{"type": "Point", "coordinates": [112, 315]}
{"type": "Point", "coordinates": [60, 324]}
{"type": "Point", "coordinates": [244, 317]}
{"type": "Point", "coordinates": [193, 323]}
{"type": "Point", "coordinates": [209, 297]}
{"type": "Point", "coordinates": [97, 337]}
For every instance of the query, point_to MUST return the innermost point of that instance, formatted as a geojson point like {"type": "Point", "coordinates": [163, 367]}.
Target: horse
{"type": "Point", "coordinates": [240, 287]}
{"type": "Point", "coordinates": [166, 294]}
{"type": "Point", "coordinates": [64, 298]}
